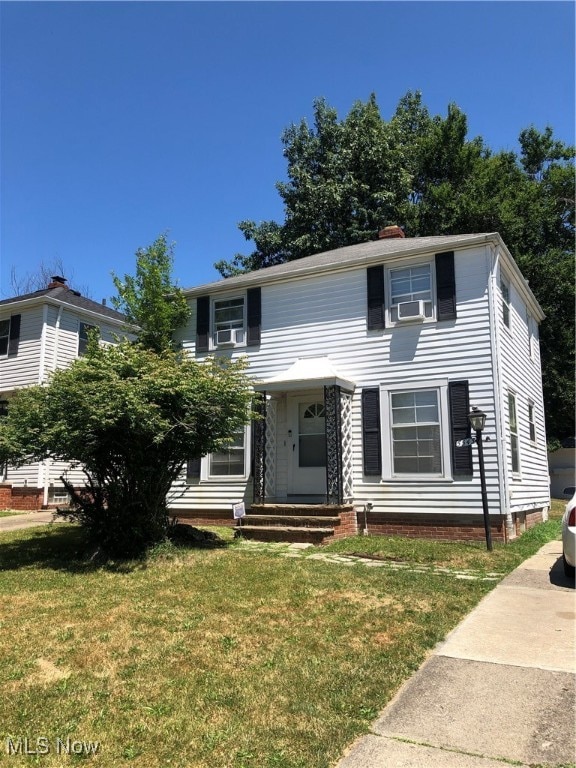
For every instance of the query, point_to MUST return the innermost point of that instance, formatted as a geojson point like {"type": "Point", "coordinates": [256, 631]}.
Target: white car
{"type": "Point", "coordinates": [569, 537]}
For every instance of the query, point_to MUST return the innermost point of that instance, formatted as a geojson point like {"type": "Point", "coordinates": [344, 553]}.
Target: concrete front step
{"type": "Point", "coordinates": [285, 533]}
{"type": "Point", "coordinates": [295, 521]}
{"type": "Point", "coordinates": [298, 510]}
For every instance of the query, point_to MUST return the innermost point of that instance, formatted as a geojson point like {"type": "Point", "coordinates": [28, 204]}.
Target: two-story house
{"type": "Point", "coordinates": [368, 359]}
{"type": "Point", "coordinates": [40, 332]}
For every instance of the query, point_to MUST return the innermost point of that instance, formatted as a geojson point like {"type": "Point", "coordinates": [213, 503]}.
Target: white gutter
{"type": "Point", "coordinates": [498, 389]}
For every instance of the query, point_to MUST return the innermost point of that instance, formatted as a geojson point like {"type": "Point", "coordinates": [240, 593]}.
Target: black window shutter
{"type": "Point", "coordinates": [460, 427]}
{"type": "Point", "coordinates": [445, 286]}
{"type": "Point", "coordinates": [375, 284]}
{"type": "Point", "coordinates": [254, 314]}
{"type": "Point", "coordinates": [202, 323]}
{"type": "Point", "coordinates": [193, 470]}
{"type": "Point", "coordinates": [371, 431]}
{"type": "Point", "coordinates": [14, 338]}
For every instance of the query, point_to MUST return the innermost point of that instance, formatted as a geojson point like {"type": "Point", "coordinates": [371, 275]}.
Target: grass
{"type": "Point", "coordinates": [458, 555]}
{"type": "Point", "coordinates": [231, 657]}
{"type": "Point", "coordinates": [10, 512]}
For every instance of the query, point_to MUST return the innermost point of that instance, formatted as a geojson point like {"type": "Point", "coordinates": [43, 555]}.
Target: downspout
{"type": "Point", "coordinates": [498, 389]}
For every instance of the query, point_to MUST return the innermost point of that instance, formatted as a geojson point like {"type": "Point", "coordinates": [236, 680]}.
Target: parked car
{"type": "Point", "coordinates": [568, 492]}
{"type": "Point", "coordinates": [569, 537]}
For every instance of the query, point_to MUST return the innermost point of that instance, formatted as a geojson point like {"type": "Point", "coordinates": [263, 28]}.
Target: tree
{"type": "Point", "coordinates": [131, 417]}
{"type": "Point", "coordinates": [349, 178]}
{"type": "Point", "coordinates": [149, 299]}
{"type": "Point", "coordinates": [38, 280]}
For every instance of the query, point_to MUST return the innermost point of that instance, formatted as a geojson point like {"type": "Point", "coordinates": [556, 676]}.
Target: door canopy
{"type": "Point", "coordinates": [306, 372]}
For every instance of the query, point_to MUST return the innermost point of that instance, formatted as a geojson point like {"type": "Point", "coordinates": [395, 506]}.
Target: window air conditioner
{"type": "Point", "coordinates": [227, 336]}
{"type": "Point", "coordinates": [411, 310]}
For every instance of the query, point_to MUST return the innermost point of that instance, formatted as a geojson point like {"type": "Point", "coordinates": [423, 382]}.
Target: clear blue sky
{"type": "Point", "coordinates": [120, 121]}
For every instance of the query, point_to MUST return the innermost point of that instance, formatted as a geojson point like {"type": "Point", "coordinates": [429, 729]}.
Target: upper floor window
{"type": "Point", "coordinates": [411, 293]}
{"type": "Point", "coordinates": [4, 336]}
{"type": "Point", "coordinates": [9, 335]}
{"type": "Point", "coordinates": [505, 291]}
{"type": "Point", "coordinates": [229, 321]}
{"type": "Point", "coordinates": [83, 336]}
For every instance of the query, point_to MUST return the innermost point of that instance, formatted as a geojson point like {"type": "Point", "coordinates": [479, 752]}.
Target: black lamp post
{"type": "Point", "coordinates": [477, 420]}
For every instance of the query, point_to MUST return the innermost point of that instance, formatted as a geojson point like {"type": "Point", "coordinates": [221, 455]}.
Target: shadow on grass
{"type": "Point", "coordinates": [66, 548]}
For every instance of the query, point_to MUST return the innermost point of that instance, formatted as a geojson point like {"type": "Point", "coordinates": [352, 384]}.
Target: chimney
{"type": "Point", "coordinates": [393, 231]}
{"type": "Point", "coordinates": [57, 282]}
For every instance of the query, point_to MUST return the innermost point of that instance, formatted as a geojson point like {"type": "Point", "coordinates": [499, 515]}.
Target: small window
{"type": "Point", "coordinates": [505, 291]}
{"type": "Point", "coordinates": [514, 449]}
{"type": "Point", "coordinates": [3, 408]}
{"type": "Point", "coordinates": [83, 334]}
{"type": "Point", "coordinates": [411, 287]}
{"type": "Point", "coordinates": [531, 422]}
{"type": "Point", "coordinates": [229, 321]}
{"type": "Point", "coordinates": [4, 336]}
{"type": "Point", "coordinates": [230, 462]}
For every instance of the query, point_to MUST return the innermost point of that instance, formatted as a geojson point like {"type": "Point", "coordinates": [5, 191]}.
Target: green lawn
{"type": "Point", "coordinates": [237, 656]}
{"type": "Point", "coordinates": [9, 512]}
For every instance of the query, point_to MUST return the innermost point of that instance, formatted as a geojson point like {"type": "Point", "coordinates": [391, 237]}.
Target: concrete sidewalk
{"type": "Point", "coordinates": [28, 520]}
{"type": "Point", "coordinates": [499, 688]}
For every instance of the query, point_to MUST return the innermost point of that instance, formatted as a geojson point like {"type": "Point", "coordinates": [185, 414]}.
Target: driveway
{"type": "Point", "coordinates": [27, 520]}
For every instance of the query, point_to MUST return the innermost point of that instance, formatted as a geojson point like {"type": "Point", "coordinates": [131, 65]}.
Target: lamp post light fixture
{"type": "Point", "coordinates": [477, 419]}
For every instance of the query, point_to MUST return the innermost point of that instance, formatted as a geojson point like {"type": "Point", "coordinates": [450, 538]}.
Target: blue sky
{"type": "Point", "coordinates": [120, 121]}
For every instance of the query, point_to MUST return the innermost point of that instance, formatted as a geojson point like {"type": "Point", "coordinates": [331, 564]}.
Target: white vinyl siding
{"type": "Point", "coordinates": [521, 374]}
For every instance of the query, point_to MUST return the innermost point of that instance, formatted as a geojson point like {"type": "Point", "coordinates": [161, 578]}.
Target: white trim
{"type": "Point", "coordinates": [43, 333]}
{"type": "Point", "coordinates": [57, 337]}
{"type": "Point", "coordinates": [493, 261]}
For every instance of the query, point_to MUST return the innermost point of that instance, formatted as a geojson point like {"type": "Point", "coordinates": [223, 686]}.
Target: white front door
{"type": "Point", "coordinates": [308, 448]}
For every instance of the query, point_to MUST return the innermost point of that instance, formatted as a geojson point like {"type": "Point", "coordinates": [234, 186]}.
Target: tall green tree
{"type": "Point", "coordinates": [348, 178]}
{"type": "Point", "coordinates": [150, 299]}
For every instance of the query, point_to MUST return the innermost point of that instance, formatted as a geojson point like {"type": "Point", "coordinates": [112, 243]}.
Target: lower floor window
{"type": "Point", "coordinates": [415, 430]}
{"type": "Point", "coordinates": [416, 446]}
{"type": "Point", "coordinates": [232, 461]}
{"type": "Point", "coordinates": [514, 449]}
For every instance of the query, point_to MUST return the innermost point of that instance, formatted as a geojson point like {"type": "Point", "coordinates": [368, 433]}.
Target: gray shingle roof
{"type": "Point", "coordinates": [68, 296]}
{"type": "Point", "coordinates": [340, 257]}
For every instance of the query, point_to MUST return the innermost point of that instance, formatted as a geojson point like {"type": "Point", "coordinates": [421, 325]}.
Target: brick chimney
{"type": "Point", "coordinates": [390, 232]}
{"type": "Point", "coordinates": [57, 282]}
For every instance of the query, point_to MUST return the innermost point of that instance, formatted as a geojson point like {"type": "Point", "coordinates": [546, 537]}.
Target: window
{"type": "Point", "coordinates": [10, 335]}
{"type": "Point", "coordinates": [4, 336]}
{"type": "Point", "coordinates": [416, 448]}
{"type": "Point", "coordinates": [229, 321]}
{"type": "Point", "coordinates": [531, 422]}
{"type": "Point", "coordinates": [231, 462]}
{"type": "Point", "coordinates": [416, 431]}
{"type": "Point", "coordinates": [514, 451]}
{"type": "Point", "coordinates": [408, 287]}
{"type": "Point", "coordinates": [532, 336]}
{"type": "Point", "coordinates": [505, 291]}
{"type": "Point", "coordinates": [83, 333]}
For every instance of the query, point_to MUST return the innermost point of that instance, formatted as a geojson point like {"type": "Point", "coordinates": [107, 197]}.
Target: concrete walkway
{"type": "Point", "coordinates": [27, 520]}
{"type": "Point", "coordinates": [500, 688]}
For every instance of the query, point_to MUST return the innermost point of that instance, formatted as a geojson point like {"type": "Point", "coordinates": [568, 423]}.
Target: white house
{"type": "Point", "coordinates": [39, 332]}
{"type": "Point", "coordinates": [369, 358]}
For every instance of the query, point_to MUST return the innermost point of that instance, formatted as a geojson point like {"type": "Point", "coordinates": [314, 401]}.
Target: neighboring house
{"type": "Point", "coordinates": [369, 358]}
{"type": "Point", "coordinates": [40, 332]}
{"type": "Point", "coordinates": [562, 463]}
